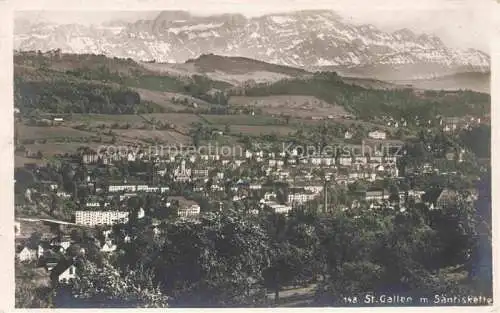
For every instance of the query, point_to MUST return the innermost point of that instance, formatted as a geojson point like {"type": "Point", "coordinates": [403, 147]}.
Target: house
{"type": "Point", "coordinates": [49, 265]}
{"type": "Point", "coordinates": [377, 135]}
{"type": "Point", "coordinates": [268, 196]}
{"type": "Point", "coordinates": [277, 208]}
{"type": "Point", "coordinates": [63, 272]}
{"type": "Point", "coordinates": [64, 244]}
{"type": "Point", "coordinates": [27, 254]}
{"type": "Point", "coordinates": [108, 246]}
{"type": "Point", "coordinates": [141, 213]}
{"type": "Point", "coordinates": [450, 123]}
{"type": "Point", "coordinates": [63, 195]}
{"type": "Point", "coordinates": [59, 241]}
{"type": "Point", "coordinates": [447, 198]}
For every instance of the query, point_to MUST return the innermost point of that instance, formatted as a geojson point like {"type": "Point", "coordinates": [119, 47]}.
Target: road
{"type": "Point", "coordinates": [25, 219]}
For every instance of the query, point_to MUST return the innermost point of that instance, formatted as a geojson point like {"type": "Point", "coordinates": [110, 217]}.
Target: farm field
{"type": "Point", "coordinates": [293, 105]}
{"type": "Point", "coordinates": [105, 118]}
{"type": "Point", "coordinates": [49, 132]}
{"type": "Point", "coordinates": [241, 119]}
{"type": "Point", "coordinates": [51, 149]}
{"type": "Point", "coordinates": [164, 99]}
{"type": "Point", "coordinates": [163, 136]}
{"type": "Point", "coordinates": [261, 130]}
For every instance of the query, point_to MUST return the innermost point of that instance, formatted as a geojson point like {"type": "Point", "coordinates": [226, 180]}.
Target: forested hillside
{"type": "Point", "coordinates": [367, 102]}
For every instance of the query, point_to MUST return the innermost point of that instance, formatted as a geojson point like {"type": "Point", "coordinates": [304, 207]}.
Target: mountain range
{"type": "Point", "coordinates": [310, 40]}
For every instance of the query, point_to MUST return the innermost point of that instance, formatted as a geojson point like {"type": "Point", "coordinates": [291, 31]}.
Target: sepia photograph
{"type": "Point", "coordinates": [260, 156]}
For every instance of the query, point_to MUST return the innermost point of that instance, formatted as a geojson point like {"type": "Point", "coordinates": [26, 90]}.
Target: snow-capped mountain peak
{"type": "Point", "coordinates": [306, 39]}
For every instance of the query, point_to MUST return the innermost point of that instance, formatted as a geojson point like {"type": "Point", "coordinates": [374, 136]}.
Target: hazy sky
{"type": "Point", "coordinates": [460, 23]}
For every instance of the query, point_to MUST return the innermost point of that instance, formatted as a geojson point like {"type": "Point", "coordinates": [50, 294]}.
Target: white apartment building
{"type": "Point", "coordinates": [314, 189]}
{"type": "Point", "coordinates": [281, 209]}
{"type": "Point", "coordinates": [147, 188]}
{"type": "Point", "coordinates": [377, 135]}
{"type": "Point", "coordinates": [92, 218]}
{"type": "Point", "coordinates": [301, 197]}
{"type": "Point", "coordinates": [200, 172]}
{"type": "Point", "coordinates": [120, 188]}
{"type": "Point", "coordinates": [191, 211]}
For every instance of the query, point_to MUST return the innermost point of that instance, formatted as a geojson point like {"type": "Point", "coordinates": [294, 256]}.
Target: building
{"type": "Point", "coordinates": [108, 246]}
{"type": "Point", "coordinates": [190, 211]}
{"type": "Point", "coordinates": [63, 272]}
{"type": "Point", "coordinates": [255, 186]}
{"type": "Point", "coordinates": [182, 174]}
{"type": "Point", "coordinates": [345, 161]}
{"type": "Point", "coordinates": [200, 173]}
{"type": "Point", "coordinates": [90, 158]}
{"type": "Point", "coordinates": [276, 162]}
{"type": "Point", "coordinates": [377, 135]}
{"type": "Point", "coordinates": [450, 123]}
{"type": "Point", "coordinates": [277, 208]}
{"type": "Point", "coordinates": [146, 188]}
{"type": "Point", "coordinates": [27, 254]}
{"type": "Point", "coordinates": [268, 196]}
{"type": "Point", "coordinates": [447, 198]}
{"type": "Point", "coordinates": [300, 198]}
{"type": "Point", "coordinates": [376, 195]}
{"type": "Point", "coordinates": [57, 120]}
{"type": "Point", "coordinates": [314, 189]}
{"type": "Point", "coordinates": [121, 188]}
{"type": "Point", "coordinates": [92, 218]}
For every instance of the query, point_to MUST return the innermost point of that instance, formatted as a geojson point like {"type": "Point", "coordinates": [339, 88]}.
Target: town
{"type": "Point", "coordinates": [157, 164]}
{"type": "Point", "coordinates": [91, 191]}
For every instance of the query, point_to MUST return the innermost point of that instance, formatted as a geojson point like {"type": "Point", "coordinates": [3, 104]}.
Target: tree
{"type": "Point", "coordinates": [217, 261]}
{"type": "Point", "coordinates": [106, 287]}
